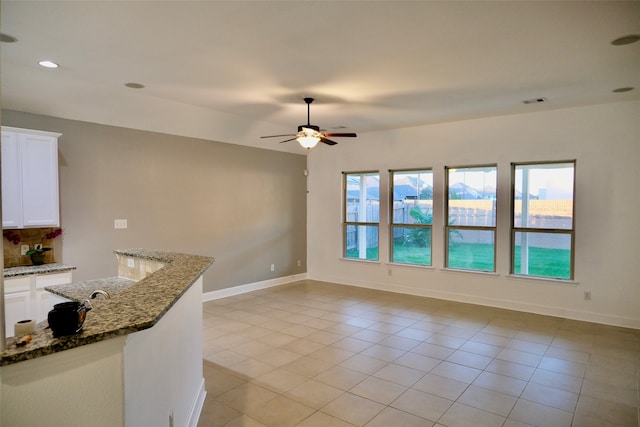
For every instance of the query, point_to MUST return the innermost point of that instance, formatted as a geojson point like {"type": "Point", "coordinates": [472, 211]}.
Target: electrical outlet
{"type": "Point", "coordinates": [299, 263]}
{"type": "Point", "coordinates": [24, 249]}
{"type": "Point", "coordinates": [119, 223]}
{"type": "Point", "coordinates": [273, 267]}
{"type": "Point", "coordinates": [587, 295]}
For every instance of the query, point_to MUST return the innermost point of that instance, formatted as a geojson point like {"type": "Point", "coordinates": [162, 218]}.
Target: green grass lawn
{"type": "Point", "coordinates": [472, 256]}
{"type": "Point", "coordinates": [372, 254]}
{"type": "Point", "coordinates": [554, 263]}
{"type": "Point", "coordinates": [411, 254]}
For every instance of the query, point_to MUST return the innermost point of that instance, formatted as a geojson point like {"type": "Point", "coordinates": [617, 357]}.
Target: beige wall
{"type": "Point", "coordinates": [244, 206]}
{"type": "Point", "coordinates": [603, 139]}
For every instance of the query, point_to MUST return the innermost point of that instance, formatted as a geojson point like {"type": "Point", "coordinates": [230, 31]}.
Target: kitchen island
{"type": "Point", "coordinates": [137, 361]}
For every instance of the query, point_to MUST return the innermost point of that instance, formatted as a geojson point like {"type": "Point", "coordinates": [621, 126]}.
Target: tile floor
{"type": "Point", "coordinates": [313, 354]}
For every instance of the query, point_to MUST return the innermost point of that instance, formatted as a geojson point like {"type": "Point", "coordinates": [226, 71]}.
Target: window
{"type": "Point", "coordinates": [542, 220]}
{"type": "Point", "coordinates": [411, 216]}
{"type": "Point", "coordinates": [470, 231]}
{"type": "Point", "coordinates": [361, 215]}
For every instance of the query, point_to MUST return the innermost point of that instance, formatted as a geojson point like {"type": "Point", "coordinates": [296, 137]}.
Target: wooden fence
{"type": "Point", "coordinates": [542, 214]}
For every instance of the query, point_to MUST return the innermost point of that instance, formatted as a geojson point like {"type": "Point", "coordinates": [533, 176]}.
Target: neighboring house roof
{"type": "Point", "coordinates": [403, 191]}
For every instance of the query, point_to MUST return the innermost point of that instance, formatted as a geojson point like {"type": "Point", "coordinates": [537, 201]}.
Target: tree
{"type": "Point", "coordinates": [420, 237]}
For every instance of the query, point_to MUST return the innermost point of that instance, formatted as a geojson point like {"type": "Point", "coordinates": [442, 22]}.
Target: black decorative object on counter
{"type": "Point", "coordinates": [67, 318]}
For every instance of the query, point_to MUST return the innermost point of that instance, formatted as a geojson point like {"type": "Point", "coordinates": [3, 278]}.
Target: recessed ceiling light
{"type": "Point", "coordinates": [621, 41]}
{"type": "Point", "coordinates": [534, 101]}
{"type": "Point", "coordinates": [7, 38]}
{"type": "Point", "coordinates": [623, 89]}
{"type": "Point", "coordinates": [48, 64]}
{"type": "Point", "coordinates": [134, 85]}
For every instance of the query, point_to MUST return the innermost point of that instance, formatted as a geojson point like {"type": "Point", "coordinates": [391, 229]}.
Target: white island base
{"type": "Point", "coordinates": [148, 378]}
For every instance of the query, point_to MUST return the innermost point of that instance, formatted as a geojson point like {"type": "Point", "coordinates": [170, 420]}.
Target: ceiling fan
{"type": "Point", "coordinates": [309, 135]}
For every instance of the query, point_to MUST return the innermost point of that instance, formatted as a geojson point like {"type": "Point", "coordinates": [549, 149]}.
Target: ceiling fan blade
{"type": "Point", "coordinates": [287, 140]}
{"type": "Point", "coordinates": [341, 135]}
{"type": "Point", "coordinates": [278, 136]}
{"type": "Point", "coordinates": [327, 141]}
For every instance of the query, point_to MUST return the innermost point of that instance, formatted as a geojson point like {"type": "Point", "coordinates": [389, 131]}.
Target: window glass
{"type": "Point", "coordinates": [362, 215]}
{"type": "Point", "coordinates": [543, 209]}
{"type": "Point", "coordinates": [471, 217]}
{"type": "Point", "coordinates": [543, 196]}
{"type": "Point", "coordinates": [472, 196]}
{"type": "Point", "coordinates": [542, 254]}
{"type": "Point", "coordinates": [471, 249]}
{"type": "Point", "coordinates": [411, 216]}
{"type": "Point", "coordinates": [362, 242]}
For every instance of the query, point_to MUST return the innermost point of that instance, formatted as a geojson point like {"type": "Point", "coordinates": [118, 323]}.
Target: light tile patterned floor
{"type": "Point", "coordinates": [319, 354]}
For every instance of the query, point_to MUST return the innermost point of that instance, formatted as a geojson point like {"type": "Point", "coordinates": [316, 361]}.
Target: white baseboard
{"type": "Point", "coordinates": [196, 409]}
{"type": "Point", "coordinates": [249, 287]}
{"type": "Point", "coordinates": [585, 316]}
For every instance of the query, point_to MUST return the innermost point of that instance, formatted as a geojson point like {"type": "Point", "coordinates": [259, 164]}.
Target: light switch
{"type": "Point", "coordinates": [119, 223]}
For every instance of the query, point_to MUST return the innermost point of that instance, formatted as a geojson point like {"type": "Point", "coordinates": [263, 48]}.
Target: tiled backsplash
{"type": "Point", "coordinates": [31, 237]}
{"type": "Point", "coordinates": [136, 268]}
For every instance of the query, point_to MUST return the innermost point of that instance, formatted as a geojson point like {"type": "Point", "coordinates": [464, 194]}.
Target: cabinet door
{"type": "Point", "coordinates": [11, 181]}
{"type": "Point", "coordinates": [43, 304]}
{"type": "Point", "coordinates": [17, 306]}
{"type": "Point", "coordinates": [39, 180]}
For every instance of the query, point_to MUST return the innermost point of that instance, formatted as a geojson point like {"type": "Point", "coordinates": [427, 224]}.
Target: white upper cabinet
{"type": "Point", "coordinates": [29, 178]}
{"type": "Point", "coordinates": [11, 181]}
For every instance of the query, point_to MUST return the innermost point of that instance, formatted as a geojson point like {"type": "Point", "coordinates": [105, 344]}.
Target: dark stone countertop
{"type": "Point", "coordinates": [135, 307]}
{"type": "Point", "coordinates": [37, 269]}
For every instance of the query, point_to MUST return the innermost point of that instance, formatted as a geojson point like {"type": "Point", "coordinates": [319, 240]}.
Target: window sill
{"type": "Point", "coordinates": [419, 266]}
{"type": "Point", "coordinates": [549, 280]}
{"type": "Point", "coordinates": [484, 273]}
{"type": "Point", "coordinates": [368, 261]}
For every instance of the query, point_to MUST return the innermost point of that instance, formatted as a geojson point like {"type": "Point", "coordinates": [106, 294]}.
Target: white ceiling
{"type": "Point", "coordinates": [234, 70]}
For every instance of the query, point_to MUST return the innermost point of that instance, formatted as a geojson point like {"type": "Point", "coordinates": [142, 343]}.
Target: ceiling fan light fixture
{"type": "Point", "coordinates": [308, 137]}
{"type": "Point", "coordinates": [308, 142]}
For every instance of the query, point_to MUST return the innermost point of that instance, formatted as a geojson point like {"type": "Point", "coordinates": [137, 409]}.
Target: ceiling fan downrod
{"type": "Point", "coordinates": [308, 101]}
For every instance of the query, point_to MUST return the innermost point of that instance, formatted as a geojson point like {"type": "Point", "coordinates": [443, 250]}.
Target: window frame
{"type": "Point", "coordinates": [570, 232]}
{"type": "Point", "coordinates": [346, 223]}
{"type": "Point", "coordinates": [393, 224]}
{"type": "Point", "coordinates": [448, 227]}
